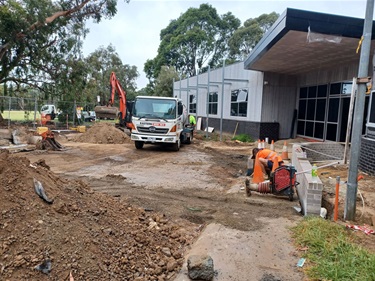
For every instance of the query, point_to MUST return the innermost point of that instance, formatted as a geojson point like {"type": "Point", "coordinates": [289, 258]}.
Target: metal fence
{"type": "Point", "coordinates": [27, 111]}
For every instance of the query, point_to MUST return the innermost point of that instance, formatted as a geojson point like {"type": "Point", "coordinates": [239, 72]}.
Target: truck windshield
{"type": "Point", "coordinates": [155, 108]}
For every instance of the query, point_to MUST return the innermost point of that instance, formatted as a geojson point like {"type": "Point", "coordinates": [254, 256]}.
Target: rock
{"type": "Point", "coordinates": [166, 251]}
{"type": "Point", "coordinates": [171, 265]}
{"type": "Point", "coordinates": [200, 267]}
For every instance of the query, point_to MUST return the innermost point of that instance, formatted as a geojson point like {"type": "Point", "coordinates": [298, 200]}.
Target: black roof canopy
{"type": "Point", "coordinates": [285, 48]}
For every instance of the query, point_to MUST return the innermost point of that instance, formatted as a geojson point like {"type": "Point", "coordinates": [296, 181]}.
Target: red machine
{"type": "Point", "coordinates": [282, 182]}
{"type": "Point", "coordinates": [112, 112]}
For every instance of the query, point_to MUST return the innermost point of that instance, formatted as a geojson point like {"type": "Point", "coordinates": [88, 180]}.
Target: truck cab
{"type": "Point", "coordinates": [49, 109]}
{"type": "Point", "coordinates": [159, 120]}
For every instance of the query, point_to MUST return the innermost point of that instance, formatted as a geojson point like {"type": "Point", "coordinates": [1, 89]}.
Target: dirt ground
{"type": "Point", "coordinates": [125, 214]}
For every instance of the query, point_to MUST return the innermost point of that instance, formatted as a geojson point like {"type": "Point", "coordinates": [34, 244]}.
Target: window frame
{"type": "Point", "coordinates": [238, 107]}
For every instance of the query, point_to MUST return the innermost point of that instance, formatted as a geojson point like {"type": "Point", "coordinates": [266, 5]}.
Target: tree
{"type": "Point", "coordinates": [164, 82]}
{"type": "Point", "coordinates": [100, 64]}
{"type": "Point", "coordinates": [247, 36]}
{"type": "Point", "coordinates": [198, 38]}
{"type": "Point", "coordinates": [37, 35]}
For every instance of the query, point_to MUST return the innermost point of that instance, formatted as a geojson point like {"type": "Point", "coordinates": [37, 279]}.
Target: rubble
{"type": "Point", "coordinates": [200, 267]}
{"type": "Point", "coordinates": [91, 235]}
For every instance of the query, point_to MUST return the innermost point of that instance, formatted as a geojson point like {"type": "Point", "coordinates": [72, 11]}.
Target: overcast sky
{"type": "Point", "coordinates": [135, 29]}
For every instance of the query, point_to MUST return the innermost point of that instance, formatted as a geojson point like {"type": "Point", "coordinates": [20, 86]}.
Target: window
{"type": "Point", "coordinates": [192, 104]}
{"type": "Point", "coordinates": [212, 103]}
{"type": "Point", "coordinates": [321, 113]}
{"type": "Point", "coordinates": [238, 105]}
{"type": "Point", "coordinates": [148, 107]}
{"type": "Point", "coordinates": [312, 110]}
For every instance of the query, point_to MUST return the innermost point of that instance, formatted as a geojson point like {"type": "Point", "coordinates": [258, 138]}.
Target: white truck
{"type": "Point", "coordinates": [160, 120]}
{"type": "Point", "coordinates": [49, 109]}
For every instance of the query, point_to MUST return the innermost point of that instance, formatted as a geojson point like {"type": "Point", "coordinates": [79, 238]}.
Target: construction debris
{"type": "Point", "coordinates": [200, 267]}
{"type": "Point", "coordinates": [40, 191]}
{"type": "Point", "coordinates": [92, 235]}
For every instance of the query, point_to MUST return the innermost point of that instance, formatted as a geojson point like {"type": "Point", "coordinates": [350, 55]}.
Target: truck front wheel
{"type": "Point", "coordinates": [176, 146]}
{"type": "Point", "coordinates": [139, 144]}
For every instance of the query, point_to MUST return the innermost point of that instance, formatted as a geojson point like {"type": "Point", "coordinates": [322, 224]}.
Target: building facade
{"type": "Point", "coordinates": [297, 81]}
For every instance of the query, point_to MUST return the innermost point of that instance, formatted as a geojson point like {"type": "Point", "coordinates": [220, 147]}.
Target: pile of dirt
{"type": "Point", "coordinates": [90, 235]}
{"type": "Point", "coordinates": [103, 133]}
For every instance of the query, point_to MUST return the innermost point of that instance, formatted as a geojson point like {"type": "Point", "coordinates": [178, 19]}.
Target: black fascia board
{"type": "Point", "coordinates": [300, 20]}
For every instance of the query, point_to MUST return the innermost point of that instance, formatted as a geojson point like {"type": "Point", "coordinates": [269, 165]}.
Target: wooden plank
{"type": "Point", "coordinates": [199, 124]}
{"type": "Point", "coordinates": [235, 131]}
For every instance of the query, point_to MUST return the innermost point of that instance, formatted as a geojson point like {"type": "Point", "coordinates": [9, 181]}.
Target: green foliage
{"type": "Point", "coordinates": [332, 252]}
{"type": "Point", "coordinates": [38, 36]}
{"type": "Point", "coordinates": [243, 138]}
{"type": "Point", "coordinates": [164, 82]}
{"type": "Point", "coordinates": [67, 109]}
{"type": "Point", "coordinates": [101, 63]}
{"type": "Point", "coordinates": [147, 91]}
{"type": "Point", "coordinates": [247, 36]}
{"type": "Point", "coordinates": [198, 38]}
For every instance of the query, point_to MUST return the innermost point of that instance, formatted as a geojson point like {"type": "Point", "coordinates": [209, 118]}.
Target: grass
{"type": "Point", "coordinates": [20, 115]}
{"type": "Point", "coordinates": [332, 253]}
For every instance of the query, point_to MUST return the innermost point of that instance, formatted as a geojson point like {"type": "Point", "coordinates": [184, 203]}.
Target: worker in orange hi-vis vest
{"type": "Point", "coordinates": [265, 161]}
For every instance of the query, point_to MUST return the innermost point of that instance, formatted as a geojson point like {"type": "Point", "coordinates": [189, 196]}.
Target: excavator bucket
{"type": "Point", "coordinates": [109, 112]}
{"type": "Point", "coordinates": [49, 141]}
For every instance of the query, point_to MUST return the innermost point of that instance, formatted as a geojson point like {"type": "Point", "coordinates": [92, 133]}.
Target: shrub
{"type": "Point", "coordinates": [243, 138]}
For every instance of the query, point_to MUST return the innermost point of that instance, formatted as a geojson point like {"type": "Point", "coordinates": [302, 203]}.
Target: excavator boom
{"type": "Point", "coordinates": [111, 111]}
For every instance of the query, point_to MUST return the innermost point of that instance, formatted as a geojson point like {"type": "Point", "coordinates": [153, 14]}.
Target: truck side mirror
{"type": "Point", "coordinates": [180, 109]}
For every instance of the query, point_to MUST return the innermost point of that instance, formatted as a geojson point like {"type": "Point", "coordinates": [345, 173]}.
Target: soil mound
{"type": "Point", "coordinates": [90, 235]}
{"type": "Point", "coordinates": [104, 133]}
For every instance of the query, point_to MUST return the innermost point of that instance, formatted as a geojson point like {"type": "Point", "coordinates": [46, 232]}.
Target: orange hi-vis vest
{"type": "Point", "coordinates": [265, 154]}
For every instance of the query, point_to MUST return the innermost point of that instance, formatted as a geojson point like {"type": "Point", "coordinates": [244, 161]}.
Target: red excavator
{"type": "Point", "coordinates": [112, 112]}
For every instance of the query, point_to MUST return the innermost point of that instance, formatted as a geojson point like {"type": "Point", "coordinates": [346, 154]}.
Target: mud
{"type": "Point", "coordinates": [201, 188]}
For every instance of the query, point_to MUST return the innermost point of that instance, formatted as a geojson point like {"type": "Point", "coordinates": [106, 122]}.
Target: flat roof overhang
{"type": "Point", "coordinates": [285, 47]}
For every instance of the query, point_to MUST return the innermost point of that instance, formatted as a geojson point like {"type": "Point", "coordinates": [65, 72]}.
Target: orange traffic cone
{"type": "Point", "coordinates": [284, 154]}
{"type": "Point", "coordinates": [272, 146]}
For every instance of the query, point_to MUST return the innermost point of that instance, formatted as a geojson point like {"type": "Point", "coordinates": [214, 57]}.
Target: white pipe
{"type": "Point", "coordinates": [309, 170]}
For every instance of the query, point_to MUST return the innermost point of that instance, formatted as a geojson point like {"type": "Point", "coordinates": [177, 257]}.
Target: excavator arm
{"type": "Point", "coordinates": [110, 111]}
{"type": "Point", "coordinates": [116, 87]}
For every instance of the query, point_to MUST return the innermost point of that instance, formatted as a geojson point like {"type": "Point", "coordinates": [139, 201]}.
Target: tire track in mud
{"type": "Point", "coordinates": [233, 210]}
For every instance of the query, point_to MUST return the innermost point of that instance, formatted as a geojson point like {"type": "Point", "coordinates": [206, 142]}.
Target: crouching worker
{"type": "Point", "coordinates": [192, 121]}
{"type": "Point", "coordinates": [265, 162]}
